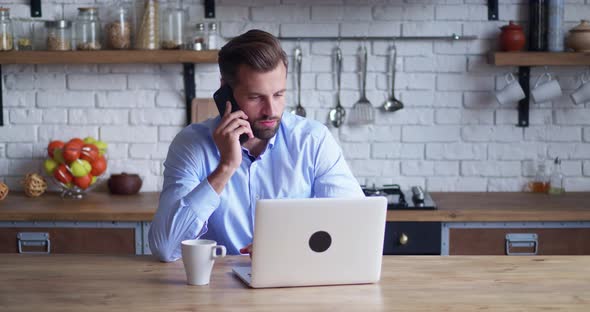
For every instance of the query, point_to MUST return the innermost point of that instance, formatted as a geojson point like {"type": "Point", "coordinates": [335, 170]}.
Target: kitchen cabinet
{"type": "Point", "coordinates": [412, 238]}
{"type": "Point", "coordinates": [186, 57]}
{"type": "Point", "coordinates": [68, 238]}
{"type": "Point", "coordinates": [533, 240]}
{"type": "Point", "coordinates": [98, 223]}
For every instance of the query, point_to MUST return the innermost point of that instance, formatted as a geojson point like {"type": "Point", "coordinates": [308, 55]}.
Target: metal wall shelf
{"type": "Point", "coordinates": [453, 37]}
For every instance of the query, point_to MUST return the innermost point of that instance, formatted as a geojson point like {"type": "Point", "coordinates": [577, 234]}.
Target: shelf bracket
{"type": "Point", "coordinates": [1, 98]}
{"type": "Point", "coordinates": [492, 10]}
{"type": "Point", "coordinates": [35, 8]}
{"type": "Point", "coordinates": [209, 8]}
{"type": "Point", "coordinates": [524, 73]}
{"type": "Point", "coordinates": [189, 88]}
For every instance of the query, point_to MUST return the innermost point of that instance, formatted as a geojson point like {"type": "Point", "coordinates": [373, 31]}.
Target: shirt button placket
{"type": "Point", "coordinates": [253, 187]}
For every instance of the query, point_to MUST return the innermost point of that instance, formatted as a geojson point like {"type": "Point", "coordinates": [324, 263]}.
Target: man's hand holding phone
{"type": "Point", "coordinates": [226, 136]}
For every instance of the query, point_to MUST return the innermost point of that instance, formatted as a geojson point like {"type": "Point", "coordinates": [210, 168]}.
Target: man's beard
{"type": "Point", "coordinates": [265, 133]}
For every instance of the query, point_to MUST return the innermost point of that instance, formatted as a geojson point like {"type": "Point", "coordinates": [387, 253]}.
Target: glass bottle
{"type": "Point", "coordinates": [148, 29]}
{"type": "Point", "coordinates": [59, 35]}
{"type": "Point", "coordinates": [173, 28]}
{"type": "Point", "coordinates": [119, 26]}
{"type": "Point", "coordinates": [87, 29]}
{"type": "Point", "coordinates": [556, 182]}
{"type": "Point", "coordinates": [6, 37]}
{"type": "Point", "coordinates": [538, 25]}
{"type": "Point", "coordinates": [213, 37]}
{"type": "Point", "coordinates": [198, 38]}
{"type": "Point", "coordinates": [555, 37]}
{"type": "Point", "coordinates": [541, 182]}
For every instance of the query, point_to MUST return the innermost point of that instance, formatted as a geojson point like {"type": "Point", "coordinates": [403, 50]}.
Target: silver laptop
{"type": "Point", "coordinates": [316, 241]}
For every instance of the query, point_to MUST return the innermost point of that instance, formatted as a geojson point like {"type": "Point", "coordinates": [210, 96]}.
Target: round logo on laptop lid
{"type": "Point", "coordinates": [320, 241]}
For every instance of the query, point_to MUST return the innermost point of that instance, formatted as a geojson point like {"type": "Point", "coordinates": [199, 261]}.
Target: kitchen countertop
{"type": "Point", "coordinates": [453, 207]}
{"type": "Point", "coordinates": [425, 283]}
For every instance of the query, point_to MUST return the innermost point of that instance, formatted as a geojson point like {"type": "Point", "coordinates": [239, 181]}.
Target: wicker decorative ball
{"type": "Point", "coordinates": [3, 190]}
{"type": "Point", "coordinates": [34, 185]}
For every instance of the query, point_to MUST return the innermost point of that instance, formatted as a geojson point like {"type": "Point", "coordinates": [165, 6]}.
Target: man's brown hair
{"type": "Point", "coordinates": [256, 48]}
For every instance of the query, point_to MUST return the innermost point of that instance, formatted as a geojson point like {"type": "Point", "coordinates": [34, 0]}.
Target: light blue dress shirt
{"type": "Point", "coordinates": [302, 160]}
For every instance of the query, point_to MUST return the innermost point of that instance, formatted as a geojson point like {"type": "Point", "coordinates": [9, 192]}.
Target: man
{"type": "Point", "coordinates": [211, 182]}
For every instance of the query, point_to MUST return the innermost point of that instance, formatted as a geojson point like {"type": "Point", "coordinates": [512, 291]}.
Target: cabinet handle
{"type": "Point", "coordinates": [522, 240]}
{"type": "Point", "coordinates": [33, 239]}
{"type": "Point", "coordinates": [403, 239]}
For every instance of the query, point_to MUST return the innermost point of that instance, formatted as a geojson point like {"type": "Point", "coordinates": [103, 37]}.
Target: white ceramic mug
{"type": "Point", "coordinates": [582, 93]}
{"type": "Point", "coordinates": [198, 256]}
{"type": "Point", "coordinates": [546, 91]}
{"type": "Point", "coordinates": [512, 92]}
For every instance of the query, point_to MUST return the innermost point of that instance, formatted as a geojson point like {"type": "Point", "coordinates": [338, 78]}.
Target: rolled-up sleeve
{"type": "Point", "coordinates": [186, 203]}
{"type": "Point", "coordinates": [333, 177]}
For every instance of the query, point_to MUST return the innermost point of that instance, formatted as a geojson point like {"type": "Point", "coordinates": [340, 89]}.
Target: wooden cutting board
{"type": "Point", "coordinates": [203, 109]}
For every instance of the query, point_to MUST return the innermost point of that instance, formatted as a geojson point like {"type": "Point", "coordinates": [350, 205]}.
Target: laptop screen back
{"type": "Point", "coordinates": [318, 241]}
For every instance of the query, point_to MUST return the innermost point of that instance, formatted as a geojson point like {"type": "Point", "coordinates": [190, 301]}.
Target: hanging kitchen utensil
{"type": "Point", "coordinates": [362, 110]}
{"type": "Point", "coordinates": [392, 104]}
{"type": "Point", "coordinates": [338, 113]}
{"type": "Point", "coordinates": [299, 110]}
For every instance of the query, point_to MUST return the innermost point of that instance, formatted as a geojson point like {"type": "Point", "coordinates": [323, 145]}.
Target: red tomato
{"type": "Point", "coordinates": [76, 142]}
{"type": "Point", "coordinates": [83, 182]}
{"type": "Point", "coordinates": [62, 174]}
{"type": "Point", "coordinates": [53, 145]}
{"type": "Point", "coordinates": [71, 152]}
{"type": "Point", "coordinates": [98, 166]}
{"type": "Point", "coordinates": [89, 152]}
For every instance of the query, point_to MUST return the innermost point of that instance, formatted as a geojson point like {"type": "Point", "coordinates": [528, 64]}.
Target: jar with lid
{"type": "Point", "coordinates": [512, 37]}
{"type": "Point", "coordinates": [87, 29]}
{"type": "Point", "coordinates": [213, 37]}
{"type": "Point", "coordinates": [173, 27]}
{"type": "Point", "coordinates": [6, 38]}
{"type": "Point", "coordinates": [59, 35]}
{"type": "Point", "coordinates": [119, 26]}
{"type": "Point", "coordinates": [198, 38]}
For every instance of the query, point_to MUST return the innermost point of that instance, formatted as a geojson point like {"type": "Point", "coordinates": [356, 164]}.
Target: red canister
{"type": "Point", "coordinates": [512, 37]}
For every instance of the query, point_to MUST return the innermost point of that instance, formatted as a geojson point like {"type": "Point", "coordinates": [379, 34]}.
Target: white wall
{"type": "Point", "coordinates": [452, 135]}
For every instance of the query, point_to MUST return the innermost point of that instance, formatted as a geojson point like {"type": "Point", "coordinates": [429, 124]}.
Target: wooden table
{"type": "Point", "coordinates": [139, 283]}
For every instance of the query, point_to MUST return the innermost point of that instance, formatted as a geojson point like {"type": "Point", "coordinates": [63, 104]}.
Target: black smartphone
{"type": "Point", "coordinates": [221, 96]}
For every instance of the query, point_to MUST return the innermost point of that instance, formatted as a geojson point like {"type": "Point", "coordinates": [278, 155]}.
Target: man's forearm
{"type": "Point", "coordinates": [220, 176]}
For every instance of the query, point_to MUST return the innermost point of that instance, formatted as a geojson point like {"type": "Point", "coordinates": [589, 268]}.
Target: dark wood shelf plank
{"type": "Point", "coordinates": [108, 57]}
{"type": "Point", "coordinates": [539, 58]}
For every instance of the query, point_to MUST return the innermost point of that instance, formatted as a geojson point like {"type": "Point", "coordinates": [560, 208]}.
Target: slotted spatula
{"type": "Point", "coordinates": [362, 111]}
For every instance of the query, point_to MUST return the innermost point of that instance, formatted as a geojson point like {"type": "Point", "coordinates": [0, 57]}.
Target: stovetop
{"type": "Point", "coordinates": [397, 199]}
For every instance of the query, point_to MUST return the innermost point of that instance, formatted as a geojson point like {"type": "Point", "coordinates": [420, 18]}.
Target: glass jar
{"type": "Point", "coordinates": [213, 37]}
{"type": "Point", "coordinates": [541, 182]}
{"type": "Point", "coordinates": [6, 38]}
{"type": "Point", "coordinates": [173, 28]}
{"type": "Point", "coordinates": [556, 182]}
{"type": "Point", "coordinates": [119, 27]}
{"type": "Point", "coordinates": [87, 29]}
{"type": "Point", "coordinates": [23, 33]}
{"type": "Point", "coordinates": [59, 35]}
{"type": "Point", "coordinates": [198, 38]}
{"type": "Point", "coordinates": [148, 27]}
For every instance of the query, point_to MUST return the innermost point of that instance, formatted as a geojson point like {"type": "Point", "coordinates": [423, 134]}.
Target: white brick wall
{"type": "Point", "coordinates": [452, 135]}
